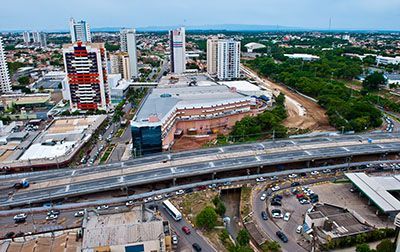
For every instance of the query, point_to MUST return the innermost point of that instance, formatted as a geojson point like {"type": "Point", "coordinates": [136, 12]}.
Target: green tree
{"type": "Point", "coordinates": [373, 81]}
{"type": "Point", "coordinates": [386, 246]}
{"type": "Point", "coordinates": [364, 247]}
{"type": "Point", "coordinates": [207, 218]}
{"type": "Point", "coordinates": [243, 237]}
{"type": "Point", "coordinates": [24, 80]}
{"type": "Point", "coordinates": [220, 208]}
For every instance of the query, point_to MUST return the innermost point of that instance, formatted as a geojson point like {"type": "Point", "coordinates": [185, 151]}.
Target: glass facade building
{"type": "Point", "coordinates": [146, 140]}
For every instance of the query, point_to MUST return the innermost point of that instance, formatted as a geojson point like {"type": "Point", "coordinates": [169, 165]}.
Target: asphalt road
{"type": "Point", "coordinates": [186, 240]}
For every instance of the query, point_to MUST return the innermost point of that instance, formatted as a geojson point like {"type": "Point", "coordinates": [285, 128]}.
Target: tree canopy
{"type": "Point", "coordinates": [207, 218]}
{"type": "Point", "coordinates": [373, 81]}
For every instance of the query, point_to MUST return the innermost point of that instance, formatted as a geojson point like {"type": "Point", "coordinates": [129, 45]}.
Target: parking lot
{"type": "Point", "coordinates": [340, 195]}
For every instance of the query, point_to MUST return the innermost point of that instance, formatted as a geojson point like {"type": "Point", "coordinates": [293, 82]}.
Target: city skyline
{"type": "Point", "coordinates": [309, 14]}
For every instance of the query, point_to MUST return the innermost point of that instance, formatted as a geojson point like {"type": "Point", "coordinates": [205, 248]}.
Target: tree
{"type": "Point", "coordinates": [220, 208]}
{"type": "Point", "coordinates": [207, 218]}
{"type": "Point", "coordinates": [364, 247]}
{"type": "Point", "coordinates": [238, 248]}
{"type": "Point", "coordinates": [243, 237]}
{"type": "Point", "coordinates": [373, 81]}
{"type": "Point", "coordinates": [386, 246]}
{"type": "Point", "coordinates": [24, 80]}
{"type": "Point", "coordinates": [271, 246]}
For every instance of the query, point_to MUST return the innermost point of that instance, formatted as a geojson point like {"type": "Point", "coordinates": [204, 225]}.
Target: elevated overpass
{"type": "Point", "coordinates": [192, 165]}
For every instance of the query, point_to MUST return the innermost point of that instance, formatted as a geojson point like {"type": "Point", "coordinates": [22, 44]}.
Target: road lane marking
{"type": "Point", "coordinates": [308, 153]}
{"type": "Point", "coordinates": [121, 179]}
{"type": "Point", "coordinates": [222, 150]}
{"type": "Point", "coordinates": [73, 173]}
{"type": "Point", "coordinates": [344, 148]}
{"type": "Point", "coordinates": [211, 164]}
{"type": "Point", "coordinates": [67, 188]}
{"type": "Point", "coordinates": [258, 158]}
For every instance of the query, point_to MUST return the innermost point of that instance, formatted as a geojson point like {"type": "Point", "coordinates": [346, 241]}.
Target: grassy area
{"type": "Point", "coordinates": [120, 131]}
{"type": "Point", "coordinates": [107, 153]}
{"type": "Point", "coordinates": [245, 204]}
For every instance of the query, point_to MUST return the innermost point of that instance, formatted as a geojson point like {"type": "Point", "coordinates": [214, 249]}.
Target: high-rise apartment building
{"type": "Point", "coordinates": [128, 44]}
{"type": "Point", "coordinates": [223, 58]}
{"type": "Point", "coordinates": [39, 39]}
{"type": "Point", "coordinates": [27, 37]}
{"type": "Point", "coordinates": [119, 64]}
{"type": "Point", "coordinates": [80, 31]}
{"type": "Point", "coordinates": [178, 50]}
{"type": "Point", "coordinates": [212, 53]}
{"type": "Point", "coordinates": [5, 84]}
{"type": "Point", "coordinates": [86, 85]}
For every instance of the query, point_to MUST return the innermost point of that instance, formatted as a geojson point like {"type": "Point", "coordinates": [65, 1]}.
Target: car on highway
{"type": "Point", "coordinates": [180, 192]}
{"type": "Point", "coordinates": [314, 173]}
{"type": "Point", "coordinates": [264, 215]}
{"type": "Point", "coordinates": [227, 183]}
{"type": "Point", "coordinates": [80, 213]}
{"type": "Point", "coordinates": [52, 217]}
{"type": "Point", "coordinates": [148, 199]}
{"type": "Point", "coordinates": [158, 197]}
{"type": "Point", "coordinates": [260, 179]}
{"type": "Point", "coordinates": [286, 217]}
{"type": "Point", "coordinates": [275, 188]}
{"type": "Point", "coordinates": [130, 203]}
{"type": "Point", "coordinates": [186, 230]}
{"type": "Point", "coordinates": [212, 186]}
{"type": "Point", "coordinates": [19, 218]}
{"type": "Point", "coordinates": [53, 212]}
{"type": "Point", "coordinates": [103, 207]}
{"type": "Point", "coordinates": [263, 196]}
{"type": "Point", "coordinates": [326, 171]}
{"type": "Point", "coordinates": [167, 195]}
{"type": "Point", "coordinates": [282, 236]}
{"type": "Point", "coordinates": [196, 247]}
{"type": "Point", "coordinates": [174, 239]}
{"type": "Point", "coordinates": [274, 178]}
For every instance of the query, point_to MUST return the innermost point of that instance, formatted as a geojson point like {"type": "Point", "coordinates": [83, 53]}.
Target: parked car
{"type": "Point", "coordinates": [52, 217]}
{"type": "Point", "coordinates": [326, 171]}
{"type": "Point", "coordinates": [293, 175]}
{"type": "Point", "coordinates": [186, 230]}
{"type": "Point", "coordinates": [53, 212]}
{"type": "Point", "coordinates": [158, 197]}
{"type": "Point", "coordinates": [277, 215]}
{"type": "Point", "coordinates": [264, 215]}
{"type": "Point", "coordinates": [180, 192]}
{"type": "Point", "coordinates": [294, 184]}
{"type": "Point", "coordinates": [286, 217]}
{"type": "Point", "coordinates": [130, 203]}
{"type": "Point", "coordinates": [299, 229]}
{"type": "Point", "coordinates": [276, 203]}
{"type": "Point", "coordinates": [103, 207]}
{"type": "Point", "coordinates": [314, 173]}
{"type": "Point", "coordinates": [196, 247]}
{"type": "Point", "coordinates": [282, 236]}
{"type": "Point", "coordinates": [174, 239]}
{"type": "Point", "coordinates": [304, 201]}
{"type": "Point", "coordinates": [19, 218]}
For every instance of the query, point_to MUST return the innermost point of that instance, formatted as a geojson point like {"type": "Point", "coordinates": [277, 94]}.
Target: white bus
{"type": "Point", "coordinates": [171, 209]}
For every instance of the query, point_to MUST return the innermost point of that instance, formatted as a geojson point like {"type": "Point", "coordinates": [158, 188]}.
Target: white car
{"type": "Point", "coordinates": [79, 213]}
{"type": "Point", "coordinates": [103, 207]}
{"type": "Point", "coordinates": [275, 188]}
{"type": "Point", "coordinates": [260, 179]}
{"type": "Point", "coordinates": [286, 217]}
{"type": "Point", "coordinates": [326, 171]}
{"type": "Point", "coordinates": [130, 203]}
{"type": "Point", "coordinates": [180, 192]}
{"type": "Point", "coordinates": [174, 239]}
{"type": "Point", "coordinates": [20, 217]}
{"type": "Point", "coordinates": [314, 173]}
{"type": "Point", "coordinates": [263, 196]}
{"type": "Point", "coordinates": [148, 199]}
{"type": "Point", "coordinates": [292, 175]}
{"type": "Point", "coordinates": [52, 217]}
{"type": "Point", "coordinates": [309, 192]}
{"type": "Point", "coordinates": [277, 215]}
{"type": "Point", "coordinates": [158, 197]}
{"type": "Point", "coordinates": [299, 229]}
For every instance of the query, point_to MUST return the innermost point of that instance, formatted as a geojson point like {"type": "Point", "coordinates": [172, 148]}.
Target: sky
{"type": "Point", "coordinates": [345, 14]}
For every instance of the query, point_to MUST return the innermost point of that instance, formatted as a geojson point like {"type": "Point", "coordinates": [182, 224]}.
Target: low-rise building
{"type": "Point", "coordinates": [302, 56]}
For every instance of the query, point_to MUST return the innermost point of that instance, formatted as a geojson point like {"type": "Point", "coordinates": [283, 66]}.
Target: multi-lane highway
{"type": "Point", "coordinates": [73, 182]}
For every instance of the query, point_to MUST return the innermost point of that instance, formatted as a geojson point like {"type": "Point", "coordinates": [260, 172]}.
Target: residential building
{"type": "Point", "coordinates": [39, 39]}
{"type": "Point", "coordinates": [128, 44]}
{"type": "Point", "coordinates": [178, 50]}
{"type": "Point", "coordinates": [86, 84]}
{"type": "Point", "coordinates": [254, 46]}
{"type": "Point", "coordinates": [27, 37]}
{"type": "Point", "coordinates": [223, 58]}
{"type": "Point", "coordinates": [212, 53]}
{"type": "Point", "coordinates": [120, 64]}
{"type": "Point", "coordinates": [5, 83]}
{"type": "Point", "coordinates": [228, 59]}
{"type": "Point", "coordinates": [80, 31]}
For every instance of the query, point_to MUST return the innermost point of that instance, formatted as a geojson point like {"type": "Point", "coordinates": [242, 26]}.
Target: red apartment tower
{"type": "Point", "coordinates": [86, 85]}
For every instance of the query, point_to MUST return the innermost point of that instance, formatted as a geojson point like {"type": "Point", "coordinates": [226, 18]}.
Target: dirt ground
{"type": "Point", "coordinates": [191, 143]}
{"type": "Point", "coordinates": [314, 117]}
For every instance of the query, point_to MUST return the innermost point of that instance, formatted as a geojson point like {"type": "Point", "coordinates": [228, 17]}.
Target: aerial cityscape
{"type": "Point", "coordinates": [174, 126]}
